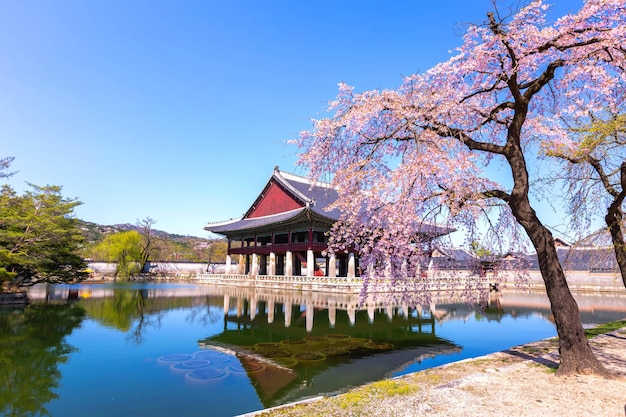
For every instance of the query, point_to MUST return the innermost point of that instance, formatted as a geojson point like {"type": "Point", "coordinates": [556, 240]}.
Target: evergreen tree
{"type": "Point", "coordinates": [39, 238]}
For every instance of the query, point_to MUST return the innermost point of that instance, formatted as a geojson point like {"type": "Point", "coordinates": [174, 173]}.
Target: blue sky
{"type": "Point", "coordinates": [179, 111]}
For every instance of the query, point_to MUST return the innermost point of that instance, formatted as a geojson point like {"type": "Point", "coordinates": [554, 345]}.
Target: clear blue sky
{"type": "Point", "coordinates": [179, 110]}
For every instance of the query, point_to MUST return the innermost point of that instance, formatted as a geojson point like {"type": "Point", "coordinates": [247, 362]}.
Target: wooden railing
{"type": "Point", "coordinates": [279, 248]}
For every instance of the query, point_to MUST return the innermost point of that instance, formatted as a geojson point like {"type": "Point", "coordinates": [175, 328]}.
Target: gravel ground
{"type": "Point", "coordinates": [517, 382]}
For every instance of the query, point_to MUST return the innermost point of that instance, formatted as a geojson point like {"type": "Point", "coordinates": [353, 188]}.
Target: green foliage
{"type": "Point", "coordinates": [39, 240]}
{"type": "Point", "coordinates": [479, 250]}
{"type": "Point", "coordinates": [124, 248]}
{"type": "Point", "coordinates": [32, 345]}
{"type": "Point", "coordinates": [118, 312]}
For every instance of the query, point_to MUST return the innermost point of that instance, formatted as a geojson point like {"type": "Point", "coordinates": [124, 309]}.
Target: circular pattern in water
{"type": "Point", "coordinates": [379, 345]}
{"type": "Point", "coordinates": [266, 346]}
{"type": "Point", "coordinates": [175, 357]}
{"type": "Point", "coordinates": [214, 356]}
{"type": "Point", "coordinates": [286, 362]}
{"type": "Point", "coordinates": [248, 365]}
{"type": "Point", "coordinates": [206, 374]}
{"type": "Point", "coordinates": [336, 336]}
{"type": "Point", "coordinates": [358, 341]}
{"type": "Point", "coordinates": [309, 357]}
{"type": "Point", "coordinates": [276, 353]}
{"type": "Point", "coordinates": [293, 342]}
{"type": "Point", "coordinates": [188, 365]}
{"type": "Point", "coordinates": [334, 351]}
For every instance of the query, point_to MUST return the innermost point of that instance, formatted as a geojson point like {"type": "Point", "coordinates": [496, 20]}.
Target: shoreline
{"type": "Point", "coordinates": [518, 381]}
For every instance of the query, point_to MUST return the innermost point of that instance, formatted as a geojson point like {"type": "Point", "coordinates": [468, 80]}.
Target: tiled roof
{"type": "Point", "coordinates": [250, 224]}
{"type": "Point", "coordinates": [319, 195]}
{"type": "Point", "coordinates": [316, 198]}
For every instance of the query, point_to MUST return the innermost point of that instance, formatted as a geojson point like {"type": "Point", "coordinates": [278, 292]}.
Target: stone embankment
{"type": "Point", "coordinates": [14, 298]}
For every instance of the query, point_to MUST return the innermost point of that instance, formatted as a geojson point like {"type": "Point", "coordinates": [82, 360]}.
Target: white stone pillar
{"type": "Point", "coordinates": [289, 263]}
{"type": "Point", "coordinates": [351, 265]}
{"type": "Point", "coordinates": [272, 266]}
{"type": "Point", "coordinates": [228, 262]}
{"type": "Point", "coordinates": [310, 263]}
{"type": "Point", "coordinates": [254, 269]}
{"type": "Point", "coordinates": [332, 266]}
{"type": "Point", "coordinates": [242, 265]}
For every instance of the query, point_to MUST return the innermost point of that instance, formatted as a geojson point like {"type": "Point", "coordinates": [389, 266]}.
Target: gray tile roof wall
{"type": "Point", "coordinates": [321, 195]}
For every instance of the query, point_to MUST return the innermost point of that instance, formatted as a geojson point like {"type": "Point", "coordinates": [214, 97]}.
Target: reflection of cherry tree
{"type": "Point", "coordinates": [31, 348]}
{"type": "Point", "coordinates": [400, 157]}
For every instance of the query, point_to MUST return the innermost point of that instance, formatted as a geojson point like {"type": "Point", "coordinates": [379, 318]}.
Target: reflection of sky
{"type": "Point", "coordinates": [111, 374]}
{"type": "Point", "coordinates": [112, 371]}
{"type": "Point", "coordinates": [477, 336]}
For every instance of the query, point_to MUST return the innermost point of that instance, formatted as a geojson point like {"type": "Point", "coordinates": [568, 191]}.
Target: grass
{"type": "Point", "coordinates": [605, 328]}
{"type": "Point", "coordinates": [377, 390]}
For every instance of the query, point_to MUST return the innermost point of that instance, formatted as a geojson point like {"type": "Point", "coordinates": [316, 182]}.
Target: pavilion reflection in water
{"type": "Point", "coordinates": [290, 344]}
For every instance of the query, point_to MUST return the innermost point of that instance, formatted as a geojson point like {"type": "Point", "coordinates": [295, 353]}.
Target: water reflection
{"type": "Point", "coordinates": [171, 349]}
{"type": "Point", "coordinates": [31, 348]}
{"type": "Point", "coordinates": [292, 350]}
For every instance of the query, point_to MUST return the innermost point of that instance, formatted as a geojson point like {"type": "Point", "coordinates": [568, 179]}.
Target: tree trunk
{"type": "Point", "coordinates": [576, 354]}
{"type": "Point", "coordinates": [613, 219]}
{"type": "Point", "coordinates": [613, 222]}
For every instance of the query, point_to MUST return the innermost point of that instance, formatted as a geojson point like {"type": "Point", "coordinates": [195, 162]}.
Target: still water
{"type": "Point", "coordinates": [200, 350]}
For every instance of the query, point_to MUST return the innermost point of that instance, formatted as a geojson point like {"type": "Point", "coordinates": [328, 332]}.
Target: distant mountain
{"type": "Point", "coordinates": [94, 232]}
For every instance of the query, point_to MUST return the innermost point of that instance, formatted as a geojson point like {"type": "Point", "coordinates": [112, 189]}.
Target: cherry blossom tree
{"type": "Point", "coordinates": [595, 177]}
{"type": "Point", "coordinates": [455, 142]}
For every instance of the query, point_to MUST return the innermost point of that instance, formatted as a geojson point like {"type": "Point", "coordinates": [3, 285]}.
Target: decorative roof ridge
{"type": "Point", "coordinates": [278, 176]}
{"type": "Point", "coordinates": [299, 178]}
{"type": "Point", "coordinates": [221, 222]}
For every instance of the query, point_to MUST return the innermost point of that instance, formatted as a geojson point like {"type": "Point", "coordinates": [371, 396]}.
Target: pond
{"type": "Point", "coordinates": [201, 350]}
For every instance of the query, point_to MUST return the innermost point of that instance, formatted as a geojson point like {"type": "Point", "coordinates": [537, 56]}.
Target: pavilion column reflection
{"type": "Point", "coordinates": [309, 317]}
{"type": "Point", "coordinates": [226, 304]}
{"type": "Point", "coordinates": [389, 311]}
{"type": "Point", "coordinates": [287, 310]}
{"type": "Point", "coordinates": [239, 306]}
{"type": "Point", "coordinates": [270, 310]}
{"type": "Point", "coordinates": [351, 314]}
{"type": "Point", "coordinates": [332, 315]}
{"type": "Point", "coordinates": [253, 307]}
{"type": "Point", "coordinates": [370, 313]}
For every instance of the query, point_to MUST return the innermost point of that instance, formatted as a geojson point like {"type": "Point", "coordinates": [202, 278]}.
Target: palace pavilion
{"type": "Point", "coordinates": [285, 232]}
